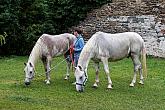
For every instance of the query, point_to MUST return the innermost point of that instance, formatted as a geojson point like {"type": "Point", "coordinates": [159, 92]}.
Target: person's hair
{"type": "Point", "coordinates": [78, 30]}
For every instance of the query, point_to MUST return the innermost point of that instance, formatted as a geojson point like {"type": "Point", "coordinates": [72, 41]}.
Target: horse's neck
{"type": "Point", "coordinates": [35, 54]}
{"type": "Point", "coordinates": [85, 57]}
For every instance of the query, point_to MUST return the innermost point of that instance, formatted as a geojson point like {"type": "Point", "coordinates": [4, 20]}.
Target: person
{"type": "Point", "coordinates": [72, 55]}
{"type": "Point", "coordinates": [78, 45]}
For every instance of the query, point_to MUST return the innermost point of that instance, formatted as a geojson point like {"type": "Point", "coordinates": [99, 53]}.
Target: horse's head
{"type": "Point", "coordinates": [81, 78]}
{"type": "Point", "coordinates": [29, 72]}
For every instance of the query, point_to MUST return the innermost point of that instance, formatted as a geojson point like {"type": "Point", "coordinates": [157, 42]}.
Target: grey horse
{"type": "Point", "coordinates": [107, 47]}
{"type": "Point", "coordinates": [47, 47]}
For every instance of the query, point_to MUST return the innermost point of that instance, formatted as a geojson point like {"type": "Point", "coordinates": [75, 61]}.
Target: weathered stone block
{"type": "Point", "coordinates": [145, 17]}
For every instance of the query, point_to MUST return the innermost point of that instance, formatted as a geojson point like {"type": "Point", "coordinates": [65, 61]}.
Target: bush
{"type": "Point", "coordinates": [25, 21]}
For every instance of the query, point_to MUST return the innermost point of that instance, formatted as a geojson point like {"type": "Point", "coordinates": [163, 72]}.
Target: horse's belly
{"type": "Point", "coordinates": [116, 58]}
{"type": "Point", "coordinates": [111, 58]}
{"type": "Point", "coordinates": [118, 55]}
{"type": "Point", "coordinates": [113, 53]}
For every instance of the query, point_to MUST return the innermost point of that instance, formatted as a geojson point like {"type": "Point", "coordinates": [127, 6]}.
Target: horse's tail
{"type": "Point", "coordinates": [144, 66]}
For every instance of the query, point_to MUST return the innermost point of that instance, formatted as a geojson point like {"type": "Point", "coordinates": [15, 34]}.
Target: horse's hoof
{"type": "Point", "coordinates": [47, 82]}
{"type": "Point", "coordinates": [141, 82]}
{"type": "Point", "coordinates": [74, 83]}
{"type": "Point", "coordinates": [109, 87]}
{"type": "Point", "coordinates": [66, 78]}
{"type": "Point", "coordinates": [95, 85]}
{"type": "Point", "coordinates": [131, 85]}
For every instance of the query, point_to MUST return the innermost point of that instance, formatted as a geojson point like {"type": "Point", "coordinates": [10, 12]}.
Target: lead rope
{"type": "Point", "coordinates": [53, 67]}
{"type": "Point", "coordinates": [71, 55]}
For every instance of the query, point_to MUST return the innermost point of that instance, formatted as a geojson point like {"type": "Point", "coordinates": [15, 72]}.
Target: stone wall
{"type": "Point", "coordinates": [146, 17]}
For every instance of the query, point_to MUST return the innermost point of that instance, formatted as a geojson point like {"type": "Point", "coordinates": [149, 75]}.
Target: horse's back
{"type": "Point", "coordinates": [132, 35]}
{"type": "Point", "coordinates": [127, 37]}
{"type": "Point", "coordinates": [136, 43]}
{"type": "Point", "coordinates": [55, 45]}
{"type": "Point", "coordinates": [59, 35]}
{"type": "Point", "coordinates": [124, 35]}
{"type": "Point", "coordinates": [117, 46]}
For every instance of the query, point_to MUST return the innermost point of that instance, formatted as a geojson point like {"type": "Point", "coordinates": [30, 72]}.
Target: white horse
{"type": "Point", "coordinates": [47, 47]}
{"type": "Point", "coordinates": [110, 47]}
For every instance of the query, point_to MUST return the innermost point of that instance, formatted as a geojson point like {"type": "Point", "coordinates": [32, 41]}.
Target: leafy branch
{"type": "Point", "coordinates": [2, 38]}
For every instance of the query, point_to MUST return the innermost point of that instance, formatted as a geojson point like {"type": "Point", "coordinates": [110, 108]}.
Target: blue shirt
{"type": "Point", "coordinates": [78, 45]}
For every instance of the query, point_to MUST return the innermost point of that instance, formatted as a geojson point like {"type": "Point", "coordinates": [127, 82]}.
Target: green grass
{"type": "Point", "coordinates": [61, 94]}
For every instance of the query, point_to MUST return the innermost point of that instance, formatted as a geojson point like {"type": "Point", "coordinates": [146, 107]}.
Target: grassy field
{"type": "Point", "coordinates": [61, 94]}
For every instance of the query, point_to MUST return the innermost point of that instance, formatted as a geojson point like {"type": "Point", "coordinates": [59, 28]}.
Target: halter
{"type": "Point", "coordinates": [32, 75]}
{"type": "Point", "coordinates": [83, 84]}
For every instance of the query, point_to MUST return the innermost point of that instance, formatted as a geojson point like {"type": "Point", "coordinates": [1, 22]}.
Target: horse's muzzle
{"type": "Point", "coordinates": [79, 88]}
{"type": "Point", "coordinates": [27, 83]}
{"type": "Point", "coordinates": [82, 90]}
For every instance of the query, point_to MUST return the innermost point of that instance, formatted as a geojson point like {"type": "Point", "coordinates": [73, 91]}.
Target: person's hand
{"type": "Point", "coordinates": [71, 46]}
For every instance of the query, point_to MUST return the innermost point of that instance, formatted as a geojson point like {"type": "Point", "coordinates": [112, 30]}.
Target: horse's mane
{"type": "Point", "coordinates": [93, 42]}
{"type": "Point", "coordinates": [87, 52]}
{"type": "Point", "coordinates": [36, 52]}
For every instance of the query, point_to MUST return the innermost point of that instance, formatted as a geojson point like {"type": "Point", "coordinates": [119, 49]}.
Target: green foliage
{"type": "Point", "coordinates": [25, 20]}
{"type": "Point", "coordinates": [2, 38]}
{"type": "Point", "coordinates": [61, 94]}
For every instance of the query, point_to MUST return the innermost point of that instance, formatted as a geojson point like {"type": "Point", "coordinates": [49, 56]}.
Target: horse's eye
{"type": "Point", "coordinates": [81, 78]}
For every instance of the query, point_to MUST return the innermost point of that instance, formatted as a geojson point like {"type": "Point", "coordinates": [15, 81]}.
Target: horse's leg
{"type": "Point", "coordinates": [106, 68]}
{"type": "Point", "coordinates": [95, 85]}
{"type": "Point", "coordinates": [44, 60]}
{"type": "Point", "coordinates": [68, 69]}
{"type": "Point", "coordinates": [48, 64]}
{"type": "Point", "coordinates": [137, 67]}
{"type": "Point", "coordinates": [141, 76]}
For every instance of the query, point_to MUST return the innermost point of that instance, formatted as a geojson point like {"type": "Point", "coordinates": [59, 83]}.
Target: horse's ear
{"type": "Point", "coordinates": [25, 64]}
{"type": "Point", "coordinates": [30, 64]}
{"type": "Point", "coordinates": [80, 68]}
{"type": "Point", "coordinates": [68, 37]}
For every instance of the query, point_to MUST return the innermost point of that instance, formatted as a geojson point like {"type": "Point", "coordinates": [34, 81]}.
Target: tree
{"type": "Point", "coordinates": [26, 20]}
